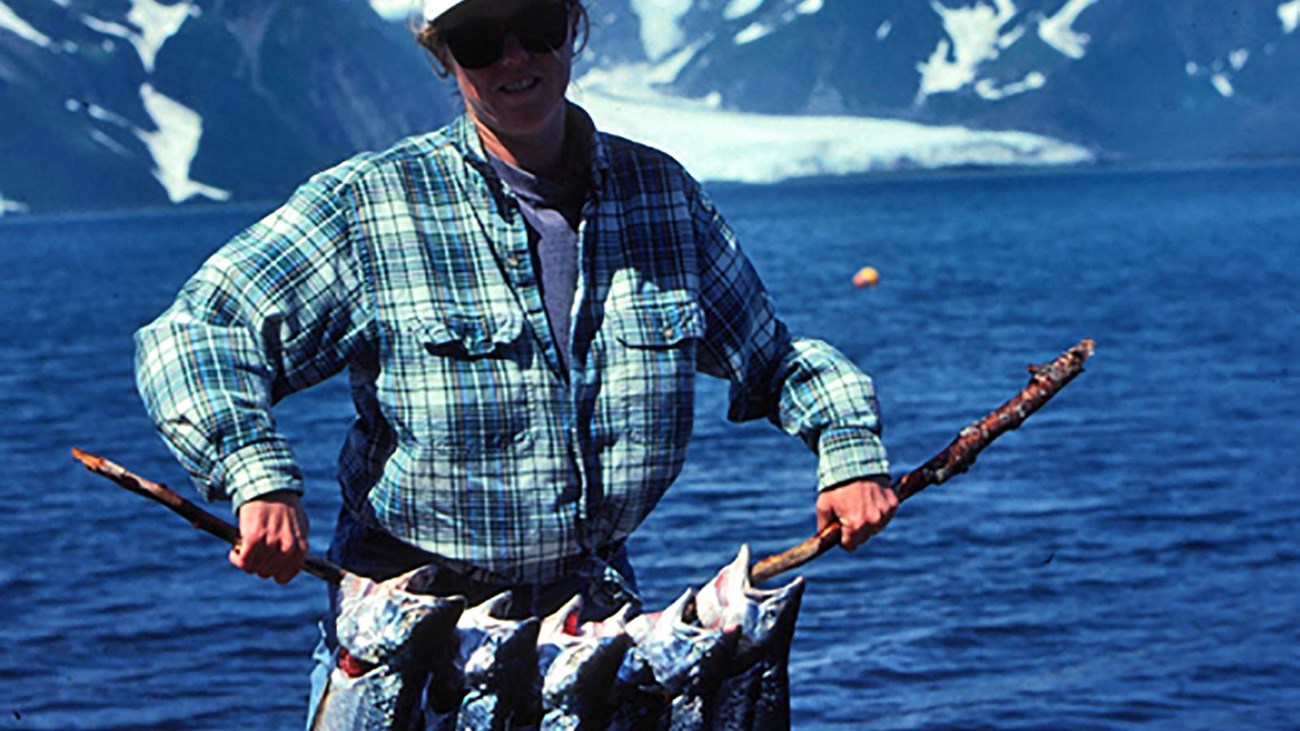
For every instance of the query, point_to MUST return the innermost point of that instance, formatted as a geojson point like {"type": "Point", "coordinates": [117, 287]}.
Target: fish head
{"type": "Point", "coordinates": [378, 620]}
{"type": "Point", "coordinates": [731, 602]}
{"type": "Point", "coordinates": [679, 651]}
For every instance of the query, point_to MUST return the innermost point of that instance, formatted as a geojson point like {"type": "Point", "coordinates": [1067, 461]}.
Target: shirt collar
{"type": "Point", "coordinates": [464, 135]}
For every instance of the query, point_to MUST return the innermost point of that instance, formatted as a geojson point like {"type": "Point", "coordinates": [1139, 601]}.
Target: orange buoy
{"type": "Point", "coordinates": [866, 277]}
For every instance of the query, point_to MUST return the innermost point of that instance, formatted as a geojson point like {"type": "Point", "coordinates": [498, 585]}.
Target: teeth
{"type": "Point", "coordinates": [519, 85]}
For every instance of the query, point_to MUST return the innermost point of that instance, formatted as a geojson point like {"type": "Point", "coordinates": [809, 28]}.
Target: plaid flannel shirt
{"type": "Point", "coordinates": [411, 269]}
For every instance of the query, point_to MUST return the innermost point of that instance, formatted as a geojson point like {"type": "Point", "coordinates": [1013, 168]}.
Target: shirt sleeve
{"type": "Point", "coordinates": [274, 311]}
{"type": "Point", "coordinates": [804, 386]}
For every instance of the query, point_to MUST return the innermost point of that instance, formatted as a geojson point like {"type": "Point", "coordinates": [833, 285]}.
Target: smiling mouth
{"type": "Point", "coordinates": [522, 85]}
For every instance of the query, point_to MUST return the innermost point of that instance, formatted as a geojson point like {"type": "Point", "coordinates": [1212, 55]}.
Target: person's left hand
{"type": "Point", "coordinates": [862, 507]}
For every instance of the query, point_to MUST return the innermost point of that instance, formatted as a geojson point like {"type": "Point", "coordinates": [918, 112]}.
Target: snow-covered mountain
{"type": "Point", "coordinates": [127, 103]}
{"type": "Point", "coordinates": [123, 103]}
{"type": "Point", "coordinates": [1129, 81]}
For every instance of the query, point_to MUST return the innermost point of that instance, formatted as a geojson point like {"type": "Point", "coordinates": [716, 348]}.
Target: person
{"type": "Point", "coordinates": [522, 303]}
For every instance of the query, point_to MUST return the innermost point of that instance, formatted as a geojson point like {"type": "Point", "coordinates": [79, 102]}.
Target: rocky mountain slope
{"type": "Point", "coordinates": [128, 103]}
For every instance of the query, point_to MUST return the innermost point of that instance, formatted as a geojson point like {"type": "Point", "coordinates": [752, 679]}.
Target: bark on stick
{"type": "Point", "coordinates": [197, 516]}
{"type": "Point", "coordinates": [1045, 381]}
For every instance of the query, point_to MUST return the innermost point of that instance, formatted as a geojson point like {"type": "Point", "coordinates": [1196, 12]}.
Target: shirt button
{"type": "Point", "coordinates": [512, 261]}
{"type": "Point", "coordinates": [668, 333]}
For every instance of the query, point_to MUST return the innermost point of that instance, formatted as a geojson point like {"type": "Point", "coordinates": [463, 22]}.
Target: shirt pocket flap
{"type": "Point", "coordinates": [475, 333]}
{"type": "Point", "coordinates": [663, 322]}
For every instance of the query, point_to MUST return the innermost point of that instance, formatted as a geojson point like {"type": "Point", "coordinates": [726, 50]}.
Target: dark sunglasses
{"type": "Point", "coordinates": [540, 28]}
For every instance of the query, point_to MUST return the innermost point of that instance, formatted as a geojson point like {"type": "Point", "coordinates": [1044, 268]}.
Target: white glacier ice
{"type": "Point", "coordinates": [758, 148]}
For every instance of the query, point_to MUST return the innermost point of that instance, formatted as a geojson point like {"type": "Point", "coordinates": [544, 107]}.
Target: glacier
{"type": "Point", "coordinates": [721, 145]}
{"type": "Point", "coordinates": [726, 145]}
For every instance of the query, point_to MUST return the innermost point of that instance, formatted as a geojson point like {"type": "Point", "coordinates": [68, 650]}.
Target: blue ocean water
{"type": "Point", "coordinates": [1128, 559]}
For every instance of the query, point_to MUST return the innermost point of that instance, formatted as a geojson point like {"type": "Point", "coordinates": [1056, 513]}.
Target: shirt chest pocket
{"type": "Point", "coordinates": [653, 368]}
{"type": "Point", "coordinates": [457, 382]}
{"type": "Point", "coordinates": [469, 335]}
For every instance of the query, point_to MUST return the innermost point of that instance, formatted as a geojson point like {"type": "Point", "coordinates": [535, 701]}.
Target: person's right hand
{"type": "Point", "coordinates": [273, 536]}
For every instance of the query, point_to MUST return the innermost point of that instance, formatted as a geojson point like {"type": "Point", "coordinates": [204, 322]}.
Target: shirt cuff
{"type": "Point", "coordinates": [258, 469]}
{"type": "Point", "coordinates": [849, 454]}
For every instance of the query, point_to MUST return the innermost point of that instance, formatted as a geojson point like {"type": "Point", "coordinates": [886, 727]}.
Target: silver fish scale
{"type": "Point", "coordinates": [365, 703]}
{"type": "Point", "coordinates": [389, 634]}
{"type": "Point", "coordinates": [716, 659]}
{"type": "Point", "coordinates": [578, 669]}
{"type": "Point", "coordinates": [685, 663]}
{"type": "Point", "coordinates": [494, 674]}
{"type": "Point", "coordinates": [755, 696]}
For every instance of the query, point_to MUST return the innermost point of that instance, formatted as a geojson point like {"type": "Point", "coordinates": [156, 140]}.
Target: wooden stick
{"type": "Point", "coordinates": [1045, 381]}
{"type": "Point", "coordinates": [198, 517]}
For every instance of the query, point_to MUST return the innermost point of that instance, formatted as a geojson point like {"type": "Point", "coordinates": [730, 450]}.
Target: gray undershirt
{"type": "Point", "coordinates": [551, 211]}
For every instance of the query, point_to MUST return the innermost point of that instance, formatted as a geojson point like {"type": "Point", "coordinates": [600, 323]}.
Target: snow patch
{"type": "Point", "coordinates": [107, 27]}
{"type": "Point", "coordinates": [756, 30]}
{"type": "Point", "coordinates": [396, 9]}
{"type": "Point", "coordinates": [988, 88]}
{"type": "Point", "coordinates": [1220, 71]}
{"type": "Point", "coordinates": [111, 144]}
{"type": "Point", "coordinates": [173, 146]}
{"type": "Point", "coordinates": [976, 34]}
{"type": "Point", "coordinates": [10, 21]}
{"type": "Point", "coordinates": [661, 33]}
{"type": "Point", "coordinates": [1008, 39]}
{"type": "Point", "coordinates": [758, 148]}
{"type": "Point", "coordinates": [1289, 14]}
{"type": "Point", "coordinates": [157, 23]}
{"type": "Point", "coordinates": [667, 70]}
{"type": "Point", "coordinates": [1223, 85]}
{"type": "Point", "coordinates": [153, 23]}
{"type": "Point", "coordinates": [1058, 32]}
{"type": "Point", "coordinates": [751, 33]}
{"type": "Point", "coordinates": [737, 9]}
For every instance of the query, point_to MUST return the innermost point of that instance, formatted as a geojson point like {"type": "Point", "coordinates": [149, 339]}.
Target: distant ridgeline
{"type": "Point", "coordinates": [113, 104]}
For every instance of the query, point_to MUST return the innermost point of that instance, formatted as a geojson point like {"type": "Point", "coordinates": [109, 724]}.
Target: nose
{"type": "Point", "coordinates": [513, 50]}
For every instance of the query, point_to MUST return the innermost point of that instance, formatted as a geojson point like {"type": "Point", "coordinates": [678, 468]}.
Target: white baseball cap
{"type": "Point", "coordinates": [434, 9]}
